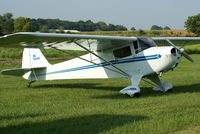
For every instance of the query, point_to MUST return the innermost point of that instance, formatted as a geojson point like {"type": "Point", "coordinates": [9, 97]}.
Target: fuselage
{"type": "Point", "coordinates": [149, 61]}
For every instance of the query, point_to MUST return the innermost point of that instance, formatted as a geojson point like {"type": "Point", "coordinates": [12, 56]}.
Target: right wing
{"type": "Point", "coordinates": [64, 41]}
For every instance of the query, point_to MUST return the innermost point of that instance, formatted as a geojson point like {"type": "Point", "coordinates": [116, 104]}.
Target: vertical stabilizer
{"type": "Point", "coordinates": [33, 58]}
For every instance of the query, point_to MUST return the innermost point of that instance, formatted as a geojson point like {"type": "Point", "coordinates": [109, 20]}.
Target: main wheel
{"type": "Point", "coordinates": [135, 95]}
{"type": "Point", "coordinates": [170, 90]}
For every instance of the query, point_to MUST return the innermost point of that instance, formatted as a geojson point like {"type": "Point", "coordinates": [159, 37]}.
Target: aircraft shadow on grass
{"type": "Point", "coordinates": [145, 92]}
{"type": "Point", "coordinates": [94, 124]}
{"type": "Point", "coordinates": [70, 86]}
{"type": "Point", "coordinates": [21, 116]}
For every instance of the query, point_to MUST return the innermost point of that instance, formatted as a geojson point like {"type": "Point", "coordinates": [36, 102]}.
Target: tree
{"type": "Point", "coordinates": [1, 32]}
{"type": "Point", "coordinates": [155, 27]}
{"type": "Point", "coordinates": [6, 24]}
{"type": "Point", "coordinates": [133, 28]}
{"type": "Point", "coordinates": [90, 25]}
{"type": "Point", "coordinates": [166, 28]}
{"type": "Point", "coordinates": [192, 24]}
{"type": "Point", "coordinates": [44, 29]}
{"type": "Point", "coordinates": [111, 27]}
{"type": "Point", "coordinates": [121, 28]}
{"type": "Point", "coordinates": [61, 29]}
{"type": "Point", "coordinates": [81, 25]}
{"type": "Point", "coordinates": [27, 27]}
{"type": "Point", "coordinates": [101, 26]}
{"type": "Point", "coordinates": [22, 24]}
{"type": "Point", "coordinates": [1, 23]}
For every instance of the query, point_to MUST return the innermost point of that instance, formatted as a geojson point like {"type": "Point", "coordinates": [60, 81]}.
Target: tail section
{"type": "Point", "coordinates": [33, 65]}
{"type": "Point", "coordinates": [33, 58]}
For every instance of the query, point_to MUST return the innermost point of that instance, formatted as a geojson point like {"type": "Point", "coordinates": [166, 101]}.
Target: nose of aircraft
{"type": "Point", "coordinates": [176, 56]}
{"type": "Point", "coordinates": [171, 58]}
{"type": "Point", "coordinates": [181, 51]}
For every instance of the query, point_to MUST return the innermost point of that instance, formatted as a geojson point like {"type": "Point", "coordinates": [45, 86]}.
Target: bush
{"type": "Point", "coordinates": [193, 49]}
{"type": "Point", "coordinates": [141, 32]}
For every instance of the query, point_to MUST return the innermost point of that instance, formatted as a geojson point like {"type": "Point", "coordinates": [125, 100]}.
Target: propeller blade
{"type": "Point", "coordinates": [181, 51]}
{"type": "Point", "coordinates": [187, 56]}
{"type": "Point", "coordinates": [172, 44]}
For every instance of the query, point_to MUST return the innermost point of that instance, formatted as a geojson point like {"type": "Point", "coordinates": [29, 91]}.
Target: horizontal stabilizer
{"type": "Point", "coordinates": [18, 71]}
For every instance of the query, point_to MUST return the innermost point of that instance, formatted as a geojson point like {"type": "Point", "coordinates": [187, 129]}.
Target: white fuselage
{"type": "Point", "coordinates": [149, 61]}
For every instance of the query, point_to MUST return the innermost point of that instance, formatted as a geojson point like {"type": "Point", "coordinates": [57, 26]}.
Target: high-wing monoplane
{"type": "Point", "coordinates": [135, 58]}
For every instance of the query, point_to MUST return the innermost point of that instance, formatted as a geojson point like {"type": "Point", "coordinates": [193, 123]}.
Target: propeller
{"type": "Point", "coordinates": [181, 51]}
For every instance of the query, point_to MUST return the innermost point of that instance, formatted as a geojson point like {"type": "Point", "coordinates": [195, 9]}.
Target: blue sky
{"type": "Point", "coordinates": [141, 14]}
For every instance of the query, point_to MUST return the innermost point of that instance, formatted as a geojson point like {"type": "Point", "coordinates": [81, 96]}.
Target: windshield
{"type": "Point", "coordinates": [143, 43]}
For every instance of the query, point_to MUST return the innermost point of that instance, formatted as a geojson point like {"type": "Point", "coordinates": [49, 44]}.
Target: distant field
{"type": "Point", "coordinates": [50, 53]}
{"type": "Point", "coordinates": [95, 106]}
{"type": "Point", "coordinates": [148, 33]}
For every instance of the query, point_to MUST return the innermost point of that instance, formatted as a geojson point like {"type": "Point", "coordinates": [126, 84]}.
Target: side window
{"type": "Point", "coordinates": [122, 52]}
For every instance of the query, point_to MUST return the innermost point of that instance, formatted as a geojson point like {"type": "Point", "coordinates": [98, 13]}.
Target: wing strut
{"type": "Point", "coordinates": [87, 60]}
{"type": "Point", "coordinates": [127, 75]}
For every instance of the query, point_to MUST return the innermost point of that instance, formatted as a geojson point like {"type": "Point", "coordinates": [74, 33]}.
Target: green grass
{"type": "Point", "coordinates": [95, 106]}
{"type": "Point", "coordinates": [49, 53]}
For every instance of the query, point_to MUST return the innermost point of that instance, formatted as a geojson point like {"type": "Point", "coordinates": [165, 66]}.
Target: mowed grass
{"type": "Point", "coordinates": [95, 106]}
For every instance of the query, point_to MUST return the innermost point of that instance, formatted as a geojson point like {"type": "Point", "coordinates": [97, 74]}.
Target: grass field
{"type": "Point", "coordinates": [95, 106]}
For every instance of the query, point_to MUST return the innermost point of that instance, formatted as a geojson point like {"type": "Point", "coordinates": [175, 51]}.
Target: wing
{"type": "Point", "coordinates": [179, 41]}
{"type": "Point", "coordinates": [64, 41]}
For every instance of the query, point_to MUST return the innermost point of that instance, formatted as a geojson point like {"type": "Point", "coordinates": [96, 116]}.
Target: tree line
{"type": "Point", "coordinates": [9, 25]}
{"type": "Point", "coordinates": [155, 27]}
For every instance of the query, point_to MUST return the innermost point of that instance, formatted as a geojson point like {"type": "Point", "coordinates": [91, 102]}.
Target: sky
{"type": "Point", "coordinates": [141, 14]}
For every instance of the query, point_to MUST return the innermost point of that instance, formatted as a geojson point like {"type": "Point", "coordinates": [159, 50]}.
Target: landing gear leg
{"type": "Point", "coordinates": [133, 90]}
{"type": "Point", "coordinates": [161, 86]}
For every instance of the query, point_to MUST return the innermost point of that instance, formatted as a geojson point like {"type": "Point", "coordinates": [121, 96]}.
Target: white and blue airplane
{"type": "Point", "coordinates": [109, 57]}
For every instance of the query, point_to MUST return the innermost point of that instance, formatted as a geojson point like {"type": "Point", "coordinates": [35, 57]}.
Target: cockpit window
{"type": "Point", "coordinates": [143, 43]}
{"type": "Point", "coordinates": [122, 52]}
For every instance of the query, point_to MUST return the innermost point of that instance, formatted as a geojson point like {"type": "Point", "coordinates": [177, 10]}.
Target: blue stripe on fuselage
{"type": "Point", "coordinates": [103, 64]}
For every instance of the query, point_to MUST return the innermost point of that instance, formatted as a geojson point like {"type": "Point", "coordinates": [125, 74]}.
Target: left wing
{"type": "Point", "coordinates": [63, 41]}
